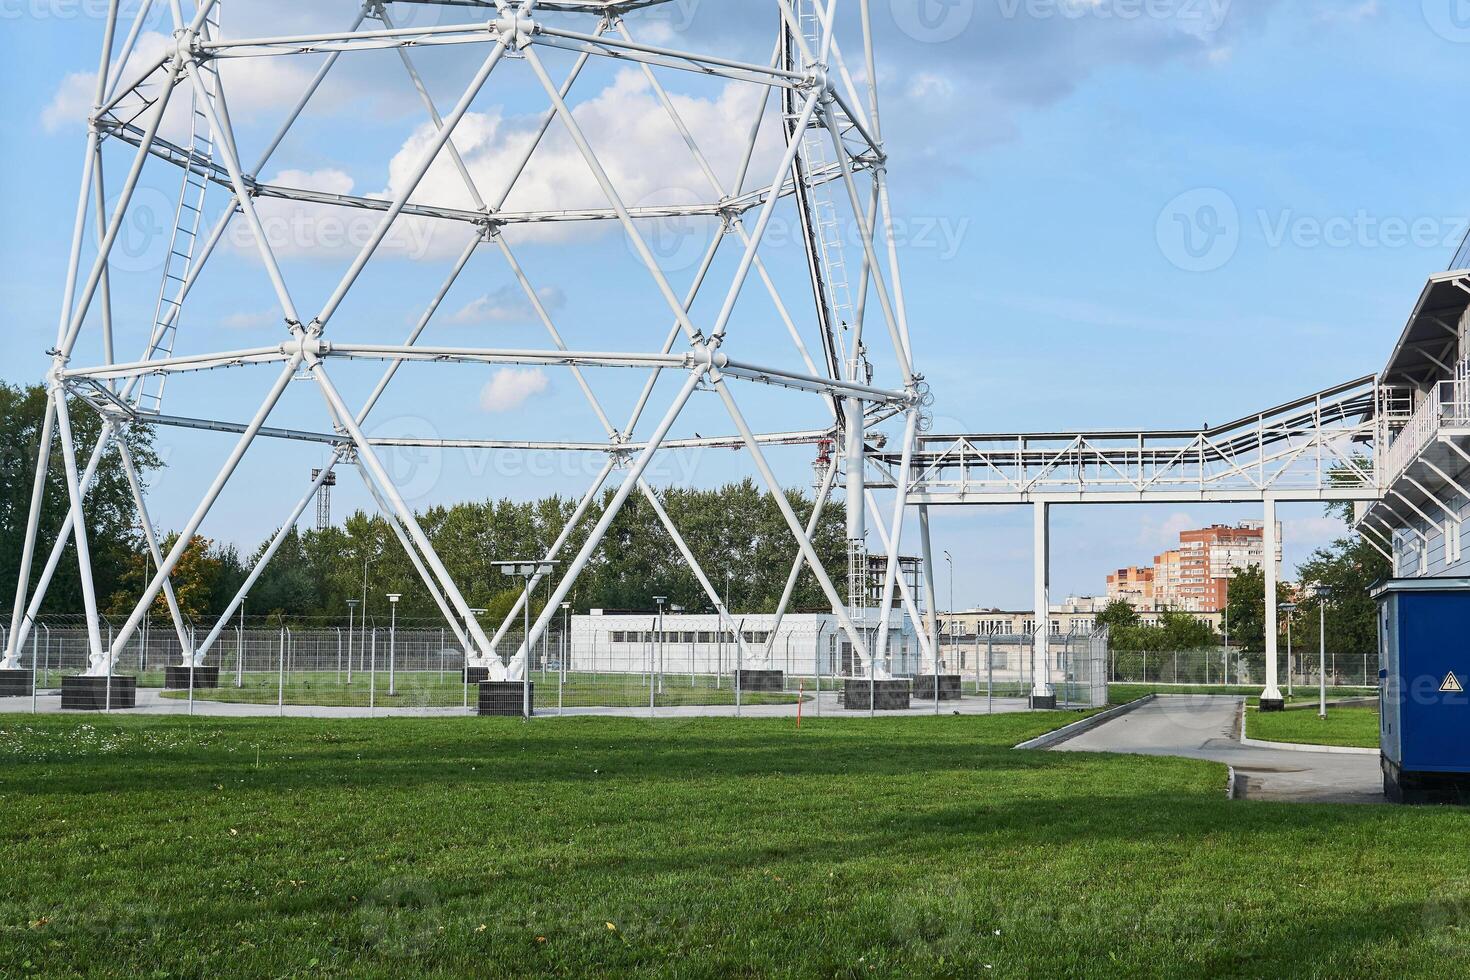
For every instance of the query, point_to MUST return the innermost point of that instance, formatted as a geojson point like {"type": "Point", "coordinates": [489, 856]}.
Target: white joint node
{"type": "Point", "coordinates": [186, 46]}
{"type": "Point", "coordinates": [516, 30]}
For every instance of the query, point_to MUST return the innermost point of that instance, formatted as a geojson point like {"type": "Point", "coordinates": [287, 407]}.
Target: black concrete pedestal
{"type": "Point", "coordinates": [505, 698]}
{"type": "Point", "coordinates": [474, 675]}
{"type": "Point", "coordinates": [766, 681]}
{"type": "Point", "coordinates": [949, 687]}
{"type": "Point", "coordinates": [1425, 788]}
{"type": "Point", "coordinates": [176, 678]}
{"type": "Point", "coordinates": [84, 693]}
{"type": "Point", "coordinates": [1046, 702]}
{"type": "Point", "coordinates": [15, 683]}
{"type": "Point", "coordinates": [889, 695]}
{"type": "Point", "coordinates": [1273, 704]}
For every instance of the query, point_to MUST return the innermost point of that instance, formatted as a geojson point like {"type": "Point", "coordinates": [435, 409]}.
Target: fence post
{"type": "Point", "coordinates": [281, 677]}
{"type": "Point", "coordinates": [373, 675]}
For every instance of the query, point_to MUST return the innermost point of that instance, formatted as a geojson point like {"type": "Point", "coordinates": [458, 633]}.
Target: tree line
{"type": "Point", "coordinates": [736, 531]}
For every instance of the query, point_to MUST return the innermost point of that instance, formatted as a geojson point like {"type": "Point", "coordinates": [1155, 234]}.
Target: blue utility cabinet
{"type": "Point", "coordinates": [1424, 647]}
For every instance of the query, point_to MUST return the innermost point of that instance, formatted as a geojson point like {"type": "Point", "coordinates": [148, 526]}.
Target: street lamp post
{"type": "Point", "coordinates": [240, 646]}
{"type": "Point", "coordinates": [525, 571]}
{"type": "Point", "coordinates": [351, 608]}
{"type": "Point", "coordinates": [566, 638]}
{"type": "Point", "coordinates": [949, 559]}
{"type": "Point", "coordinates": [675, 610]}
{"type": "Point", "coordinates": [1323, 593]}
{"type": "Point", "coordinates": [658, 664]}
{"type": "Point", "coordinates": [1288, 608]}
{"type": "Point", "coordinates": [393, 598]}
{"type": "Point", "coordinates": [366, 561]}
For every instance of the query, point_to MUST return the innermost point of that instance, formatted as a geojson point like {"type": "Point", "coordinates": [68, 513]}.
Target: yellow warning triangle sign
{"type": "Point", "coordinates": [1451, 685]}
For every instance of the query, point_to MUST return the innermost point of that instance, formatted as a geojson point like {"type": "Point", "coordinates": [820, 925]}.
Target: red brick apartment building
{"type": "Point", "coordinates": [1194, 577]}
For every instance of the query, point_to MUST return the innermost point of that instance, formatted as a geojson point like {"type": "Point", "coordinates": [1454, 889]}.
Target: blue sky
{"type": "Point", "coordinates": [1038, 150]}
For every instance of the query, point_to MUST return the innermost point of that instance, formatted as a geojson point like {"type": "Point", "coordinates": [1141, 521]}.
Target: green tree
{"type": "Point", "coordinates": [112, 529]}
{"type": "Point", "coordinates": [1349, 567]}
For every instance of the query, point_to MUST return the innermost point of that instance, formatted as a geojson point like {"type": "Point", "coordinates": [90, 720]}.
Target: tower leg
{"type": "Point", "coordinates": [1271, 699]}
{"type": "Point", "coordinates": [1043, 694]}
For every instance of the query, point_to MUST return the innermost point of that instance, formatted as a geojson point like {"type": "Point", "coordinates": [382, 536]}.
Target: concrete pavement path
{"type": "Point", "coordinates": [1208, 727]}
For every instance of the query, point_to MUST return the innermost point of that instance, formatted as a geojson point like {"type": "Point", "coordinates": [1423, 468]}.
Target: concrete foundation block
{"type": "Point", "coordinates": [15, 683]}
{"type": "Point", "coordinates": [948, 684]}
{"type": "Point", "coordinates": [761, 681]}
{"type": "Point", "coordinates": [84, 693]}
{"type": "Point", "coordinates": [506, 698]}
{"type": "Point", "coordinates": [888, 695]}
{"type": "Point", "coordinates": [176, 678]}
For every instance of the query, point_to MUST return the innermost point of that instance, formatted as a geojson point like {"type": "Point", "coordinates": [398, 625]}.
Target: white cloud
{"type": "Point", "coordinates": [644, 156]}
{"type": "Point", "coordinates": [258, 320]}
{"type": "Point", "coordinates": [510, 388]}
{"type": "Point", "coordinates": [253, 87]}
{"type": "Point", "coordinates": [508, 304]}
{"type": "Point", "coordinates": [642, 152]}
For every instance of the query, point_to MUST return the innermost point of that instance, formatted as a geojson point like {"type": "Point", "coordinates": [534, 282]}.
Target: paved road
{"type": "Point", "coordinates": [1205, 727]}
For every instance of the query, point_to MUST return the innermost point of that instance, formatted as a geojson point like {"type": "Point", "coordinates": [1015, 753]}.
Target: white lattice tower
{"type": "Point", "coordinates": [823, 170]}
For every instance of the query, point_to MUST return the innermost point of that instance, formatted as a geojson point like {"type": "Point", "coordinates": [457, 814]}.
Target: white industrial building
{"type": "Point", "coordinates": [802, 644]}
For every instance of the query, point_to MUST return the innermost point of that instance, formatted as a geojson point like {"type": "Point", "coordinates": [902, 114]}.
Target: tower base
{"type": "Point", "coordinates": [763, 681]}
{"type": "Point", "coordinates": [176, 678]}
{"type": "Point", "coordinates": [505, 698]}
{"type": "Point", "coordinates": [84, 693]}
{"type": "Point", "coordinates": [890, 695]}
{"type": "Point", "coordinates": [16, 683]}
{"type": "Point", "coordinates": [948, 685]}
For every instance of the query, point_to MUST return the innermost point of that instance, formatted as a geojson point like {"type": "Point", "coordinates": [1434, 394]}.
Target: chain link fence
{"type": "Point", "coordinates": [424, 668]}
{"type": "Point", "coordinates": [1233, 668]}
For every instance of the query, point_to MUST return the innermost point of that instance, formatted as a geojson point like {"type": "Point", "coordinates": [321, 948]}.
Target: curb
{"type": "Point", "coordinates": [1076, 728]}
{"type": "Point", "coordinates": [1235, 784]}
{"type": "Point", "coordinates": [1299, 746]}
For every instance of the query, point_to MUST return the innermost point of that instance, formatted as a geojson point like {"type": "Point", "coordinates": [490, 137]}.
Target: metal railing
{"type": "Point", "coordinates": [1446, 404]}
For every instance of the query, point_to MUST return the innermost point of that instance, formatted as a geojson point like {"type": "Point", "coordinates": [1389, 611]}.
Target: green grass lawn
{"type": "Point", "coordinates": [1344, 726]}
{"type": "Point", "coordinates": [429, 689]}
{"type": "Point", "coordinates": [146, 846]}
{"type": "Point", "coordinates": [1123, 693]}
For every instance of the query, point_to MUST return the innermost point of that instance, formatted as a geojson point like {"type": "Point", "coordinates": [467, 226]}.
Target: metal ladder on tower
{"type": "Point", "coordinates": [816, 166]}
{"type": "Point", "coordinates": [184, 238]}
